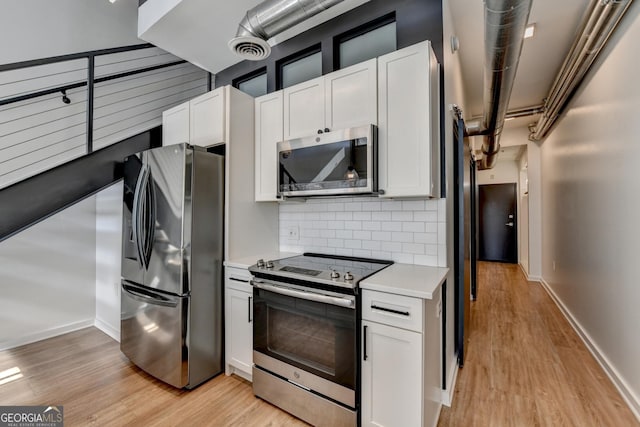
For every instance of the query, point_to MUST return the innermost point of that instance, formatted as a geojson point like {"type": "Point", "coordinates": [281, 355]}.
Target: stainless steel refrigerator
{"type": "Point", "coordinates": [172, 253]}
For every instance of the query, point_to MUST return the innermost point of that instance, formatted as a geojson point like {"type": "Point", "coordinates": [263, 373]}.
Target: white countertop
{"type": "Point", "coordinates": [247, 262]}
{"type": "Point", "coordinates": [406, 279]}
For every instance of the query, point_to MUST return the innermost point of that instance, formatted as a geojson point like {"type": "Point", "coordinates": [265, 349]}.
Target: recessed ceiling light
{"type": "Point", "coordinates": [528, 32]}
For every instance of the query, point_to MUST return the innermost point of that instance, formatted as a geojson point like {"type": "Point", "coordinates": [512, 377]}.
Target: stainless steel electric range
{"type": "Point", "coordinates": [305, 335]}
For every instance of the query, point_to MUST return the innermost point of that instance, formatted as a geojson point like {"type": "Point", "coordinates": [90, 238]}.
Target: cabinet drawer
{"type": "Point", "coordinates": [393, 310]}
{"type": "Point", "coordinates": [238, 278]}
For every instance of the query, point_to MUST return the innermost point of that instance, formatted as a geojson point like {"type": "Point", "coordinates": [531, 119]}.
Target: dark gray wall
{"type": "Point", "coordinates": [416, 20]}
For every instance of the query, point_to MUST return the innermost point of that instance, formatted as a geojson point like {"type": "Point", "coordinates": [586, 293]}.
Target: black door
{"type": "Point", "coordinates": [498, 230]}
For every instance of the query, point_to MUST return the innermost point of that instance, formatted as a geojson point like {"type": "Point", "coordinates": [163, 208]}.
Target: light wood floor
{"type": "Point", "coordinates": [525, 367]}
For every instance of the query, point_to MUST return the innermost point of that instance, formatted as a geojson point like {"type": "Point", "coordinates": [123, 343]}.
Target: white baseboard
{"type": "Point", "coordinates": [107, 329]}
{"type": "Point", "coordinates": [447, 395]}
{"type": "Point", "coordinates": [43, 335]}
{"type": "Point", "coordinates": [632, 400]}
{"type": "Point", "coordinates": [529, 277]}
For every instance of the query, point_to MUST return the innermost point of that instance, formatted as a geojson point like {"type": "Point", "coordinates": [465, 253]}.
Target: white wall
{"type": "Point", "coordinates": [523, 218]}
{"type": "Point", "coordinates": [534, 173]}
{"type": "Point", "coordinates": [108, 258]}
{"type": "Point", "coordinates": [410, 232]}
{"type": "Point", "coordinates": [47, 274]}
{"type": "Point", "coordinates": [453, 94]}
{"type": "Point", "coordinates": [591, 206]}
{"type": "Point", "coordinates": [33, 29]}
{"type": "Point", "coordinates": [505, 171]}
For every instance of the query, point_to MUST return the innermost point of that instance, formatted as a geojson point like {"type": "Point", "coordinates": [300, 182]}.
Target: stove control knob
{"type": "Point", "coordinates": [269, 264]}
{"type": "Point", "coordinates": [260, 263]}
{"type": "Point", "coordinates": [335, 274]}
{"type": "Point", "coordinates": [348, 276]}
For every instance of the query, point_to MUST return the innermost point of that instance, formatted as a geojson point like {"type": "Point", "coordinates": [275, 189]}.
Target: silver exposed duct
{"type": "Point", "coordinates": [599, 22]}
{"type": "Point", "coordinates": [269, 18]}
{"type": "Point", "coordinates": [505, 22]}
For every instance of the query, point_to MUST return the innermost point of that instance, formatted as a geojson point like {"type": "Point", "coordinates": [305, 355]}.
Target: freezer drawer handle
{"type": "Point", "coordinates": [149, 297]}
{"type": "Point", "coordinates": [390, 310]}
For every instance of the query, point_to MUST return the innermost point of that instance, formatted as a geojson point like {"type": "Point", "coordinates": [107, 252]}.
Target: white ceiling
{"type": "Point", "coordinates": [556, 26]}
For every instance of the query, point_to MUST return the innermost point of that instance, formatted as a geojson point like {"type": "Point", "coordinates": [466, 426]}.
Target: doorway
{"type": "Point", "coordinates": [498, 228]}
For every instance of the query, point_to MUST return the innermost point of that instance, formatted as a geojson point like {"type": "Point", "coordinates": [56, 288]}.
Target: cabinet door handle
{"type": "Point", "coordinates": [364, 344]}
{"type": "Point", "coordinates": [249, 309]}
{"type": "Point", "coordinates": [238, 280]}
{"type": "Point", "coordinates": [390, 310]}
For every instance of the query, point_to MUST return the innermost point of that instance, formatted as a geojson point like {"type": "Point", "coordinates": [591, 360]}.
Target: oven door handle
{"type": "Point", "coordinates": [309, 296]}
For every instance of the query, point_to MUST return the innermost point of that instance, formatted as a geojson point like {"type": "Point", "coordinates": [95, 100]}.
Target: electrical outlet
{"type": "Point", "coordinates": [293, 233]}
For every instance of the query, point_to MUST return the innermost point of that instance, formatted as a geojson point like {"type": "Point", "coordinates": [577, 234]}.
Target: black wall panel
{"type": "Point", "coordinates": [416, 20]}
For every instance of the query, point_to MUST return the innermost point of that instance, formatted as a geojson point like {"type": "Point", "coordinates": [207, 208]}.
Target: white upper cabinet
{"type": "Point", "coordinates": [304, 108]}
{"type": "Point", "coordinates": [269, 131]}
{"type": "Point", "coordinates": [351, 97]}
{"type": "Point", "coordinates": [408, 123]}
{"type": "Point", "coordinates": [175, 124]}
{"type": "Point", "coordinates": [207, 118]}
{"type": "Point", "coordinates": [342, 99]}
{"type": "Point", "coordinates": [200, 121]}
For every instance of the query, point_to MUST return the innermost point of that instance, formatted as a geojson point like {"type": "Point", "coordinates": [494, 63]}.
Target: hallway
{"type": "Point", "coordinates": [525, 365]}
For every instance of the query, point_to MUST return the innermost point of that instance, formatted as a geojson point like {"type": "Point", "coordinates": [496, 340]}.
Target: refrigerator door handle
{"type": "Point", "coordinates": [135, 216]}
{"type": "Point", "coordinates": [150, 212]}
{"type": "Point", "coordinates": [150, 297]}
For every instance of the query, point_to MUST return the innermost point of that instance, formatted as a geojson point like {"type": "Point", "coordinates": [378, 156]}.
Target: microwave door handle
{"type": "Point", "coordinates": [309, 296]}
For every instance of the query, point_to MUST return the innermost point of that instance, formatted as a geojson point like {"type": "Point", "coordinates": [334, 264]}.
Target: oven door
{"type": "Point", "coordinates": [311, 329]}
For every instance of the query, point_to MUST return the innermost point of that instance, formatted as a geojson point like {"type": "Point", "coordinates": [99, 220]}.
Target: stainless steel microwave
{"type": "Point", "coordinates": [342, 162]}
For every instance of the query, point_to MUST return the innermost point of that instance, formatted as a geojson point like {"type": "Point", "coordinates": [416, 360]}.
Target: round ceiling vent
{"type": "Point", "coordinates": [251, 48]}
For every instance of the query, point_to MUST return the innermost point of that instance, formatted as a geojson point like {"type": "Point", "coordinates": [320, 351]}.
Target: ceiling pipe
{"type": "Point", "coordinates": [600, 21]}
{"type": "Point", "coordinates": [270, 18]}
{"type": "Point", "coordinates": [474, 126]}
{"type": "Point", "coordinates": [505, 22]}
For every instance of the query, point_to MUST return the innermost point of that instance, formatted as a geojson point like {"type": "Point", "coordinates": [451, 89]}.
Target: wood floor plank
{"type": "Point", "coordinates": [525, 365]}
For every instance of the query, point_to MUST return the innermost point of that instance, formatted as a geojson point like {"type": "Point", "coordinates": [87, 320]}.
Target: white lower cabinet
{"type": "Point", "coordinates": [401, 361]}
{"type": "Point", "coordinates": [238, 322]}
{"type": "Point", "coordinates": [390, 390]}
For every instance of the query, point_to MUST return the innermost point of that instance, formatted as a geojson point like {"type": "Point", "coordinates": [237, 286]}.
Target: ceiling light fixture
{"type": "Point", "coordinates": [528, 32]}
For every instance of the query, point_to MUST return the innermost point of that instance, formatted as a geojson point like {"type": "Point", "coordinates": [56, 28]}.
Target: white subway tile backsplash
{"type": "Point", "coordinates": [391, 226]}
{"type": "Point", "coordinates": [402, 216]}
{"type": "Point", "coordinates": [413, 227]}
{"type": "Point", "coordinates": [405, 231]}
{"type": "Point", "coordinates": [362, 216]}
{"type": "Point", "coordinates": [391, 205]}
{"type": "Point", "coordinates": [371, 225]}
{"type": "Point", "coordinates": [426, 216]}
{"type": "Point", "coordinates": [381, 216]}
{"type": "Point", "coordinates": [392, 247]}
{"type": "Point", "coordinates": [427, 238]}
{"type": "Point", "coordinates": [402, 237]}
{"type": "Point", "coordinates": [384, 236]}
{"type": "Point", "coordinates": [431, 205]}
{"type": "Point", "coordinates": [413, 205]}
{"type": "Point", "coordinates": [345, 216]}
{"type": "Point", "coordinates": [371, 245]}
{"type": "Point", "coordinates": [362, 235]}
{"type": "Point", "coordinates": [353, 244]}
{"type": "Point", "coordinates": [335, 225]}
{"type": "Point", "coordinates": [328, 234]}
{"type": "Point", "coordinates": [413, 248]}
{"type": "Point", "coordinates": [335, 243]}
{"type": "Point", "coordinates": [353, 225]}
{"type": "Point", "coordinates": [344, 234]}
